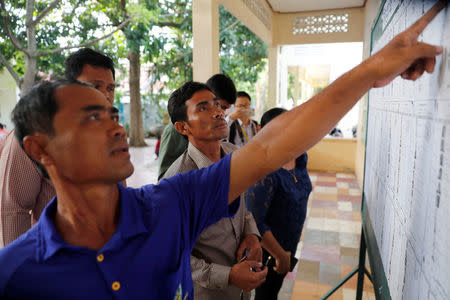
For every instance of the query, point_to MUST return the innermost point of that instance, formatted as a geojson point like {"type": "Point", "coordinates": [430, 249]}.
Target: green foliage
{"type": "Point", "coordinates": [242, 53]}
{"type": "Point", "coordinates": [73, 22]}
{"type": "Point", "coordinates": [140, 13]}
{"type": "Point", "coordinates": [160, 30]}
{"type": "Point", "coordinates": [168, 52]}
{"type": "Point", "coordinates": [17, 25]}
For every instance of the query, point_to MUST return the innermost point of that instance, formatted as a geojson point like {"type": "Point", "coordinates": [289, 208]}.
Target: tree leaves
{"type": "Point", "coordinates": [160, 30]}
{"type": "Point", "coordinates": [242, 53]}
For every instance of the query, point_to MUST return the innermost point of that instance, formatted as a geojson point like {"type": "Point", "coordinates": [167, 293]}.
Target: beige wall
{"type": "Point", "coordinates": [282, 28]}
{"type": "Point", "coordinates": [275, 29]}
{"type": "Point", "coordinates": [329, 154]}
{"type": "Point", "coordinates": [333, 155]}
{"type": "Point", "coordinates": [371, 10]}
{"type": "Point", "coordinates": [8, 98]}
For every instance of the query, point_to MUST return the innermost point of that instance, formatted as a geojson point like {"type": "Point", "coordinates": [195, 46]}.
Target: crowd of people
{"type": "Point", "coordinates": [226, 215]}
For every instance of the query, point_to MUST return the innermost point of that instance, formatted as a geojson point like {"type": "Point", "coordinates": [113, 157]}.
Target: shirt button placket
{"type": "Point", "coordinates": [115, 286]}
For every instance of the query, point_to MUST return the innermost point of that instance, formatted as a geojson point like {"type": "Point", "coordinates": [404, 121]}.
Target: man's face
{"type": "Point", "coordinates": [205, 116]}
{"type": "Point", "coordinates": [242, 103]}
{"type": "Point", "coordinates": [89, 145]}
{"type": "Point", "coordinates": [102, 79]}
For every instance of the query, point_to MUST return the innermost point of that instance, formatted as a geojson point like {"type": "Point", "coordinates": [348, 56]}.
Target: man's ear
{"type": "Point", "coordinates": [35, 145]}
{"type": "Point", "coordinates": [182, 127]}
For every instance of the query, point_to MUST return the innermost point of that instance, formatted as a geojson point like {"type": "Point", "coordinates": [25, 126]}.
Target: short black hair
{"type": "Point", "coordinates": [35, 111]}
{"type": "Point", "coordinates": [271, 114]}
{"type": "Point", "coordinates": [177, 101]}
{"type": "Point", "coordinates": [244, 94]}
{"type": "Point", "coordinates": [2, 126]}
{"type": "Point", "coordinates": [85, 56]}
{"type": "Point", "coordinates": [223, 87]}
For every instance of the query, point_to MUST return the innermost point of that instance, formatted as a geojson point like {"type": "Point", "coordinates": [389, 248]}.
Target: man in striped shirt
{"type": "Point", "coordinates": [25, 189]}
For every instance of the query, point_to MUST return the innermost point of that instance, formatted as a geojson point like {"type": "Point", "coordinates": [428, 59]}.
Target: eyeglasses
{"type": "Point", "coordinates": [243, 105]}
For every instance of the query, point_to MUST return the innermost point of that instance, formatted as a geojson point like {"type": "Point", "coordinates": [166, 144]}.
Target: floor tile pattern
{"type": "Point", "coordinates": [329, 246]}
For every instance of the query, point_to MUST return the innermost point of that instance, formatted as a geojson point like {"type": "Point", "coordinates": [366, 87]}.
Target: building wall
{"type": "Point", "coordinates": [283, 23]}
{"type": "Point", "coordinates": [8, 98]}
{"type": "Point", "coordinates": [333, 155]}
{"type": "Point", "coordinates": [277, 29]}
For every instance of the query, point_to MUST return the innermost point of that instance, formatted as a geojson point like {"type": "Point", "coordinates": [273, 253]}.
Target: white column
{"type": "Point", "coordinates": [283, 79]}
{"type": "Point", "coordinates": [205, 30]}
{"type": "Point", "coordinates": [273, 77]}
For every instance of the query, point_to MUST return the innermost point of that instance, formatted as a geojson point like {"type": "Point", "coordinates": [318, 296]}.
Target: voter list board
{"type": "Point", "coordinates": [407, 169]}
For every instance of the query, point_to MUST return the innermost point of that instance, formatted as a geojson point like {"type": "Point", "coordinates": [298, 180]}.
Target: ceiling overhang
{"type": "Point", "coordinates": [296, 6]}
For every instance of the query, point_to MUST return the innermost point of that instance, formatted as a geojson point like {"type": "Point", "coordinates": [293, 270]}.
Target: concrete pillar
{"type": "Point", "coordinates": [296, 85]}
{"type": "Point", "coordinates": [273, 84]}
{"type": "Point", "coordinates": [283, 81]}
{"type": "Point", "coordinates": [205, 31]}
{"type": "Point", "coordinates": [304, 91]}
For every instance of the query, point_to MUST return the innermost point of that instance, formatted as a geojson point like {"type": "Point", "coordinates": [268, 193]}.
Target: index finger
{"type": "Point", "coordinates": [422, 23]}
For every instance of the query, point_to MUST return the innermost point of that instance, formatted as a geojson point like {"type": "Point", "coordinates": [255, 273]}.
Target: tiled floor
{"type": "Point", "coordinates": [329, 247]}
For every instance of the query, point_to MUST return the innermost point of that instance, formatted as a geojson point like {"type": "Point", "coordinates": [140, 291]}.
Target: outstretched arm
{"type": "Point", "coordinates": [294, 132]}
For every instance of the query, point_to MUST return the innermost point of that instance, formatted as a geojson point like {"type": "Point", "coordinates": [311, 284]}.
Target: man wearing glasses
{"type": "Point", "coordinates": [242, 127]}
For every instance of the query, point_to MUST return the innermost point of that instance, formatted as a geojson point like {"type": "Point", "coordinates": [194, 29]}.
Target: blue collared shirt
{"type": "Point", "coordinates": [148, 257]}
{"type": "Point", "coordinates": [278, 203]}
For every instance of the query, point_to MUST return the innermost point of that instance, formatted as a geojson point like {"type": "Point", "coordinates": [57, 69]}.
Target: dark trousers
{"type": "Point", "coordinates": [270, 288]}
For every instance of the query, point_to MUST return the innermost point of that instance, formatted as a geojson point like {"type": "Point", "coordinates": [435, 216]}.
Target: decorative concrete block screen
{"type": "Point", "coordinates": [407, 172]}
{"type": "Point", "coordinates": [320, 24]}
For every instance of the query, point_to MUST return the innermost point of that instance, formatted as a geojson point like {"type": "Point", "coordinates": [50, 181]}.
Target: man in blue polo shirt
{"type": "Point", "coordinates": [99, 240]}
